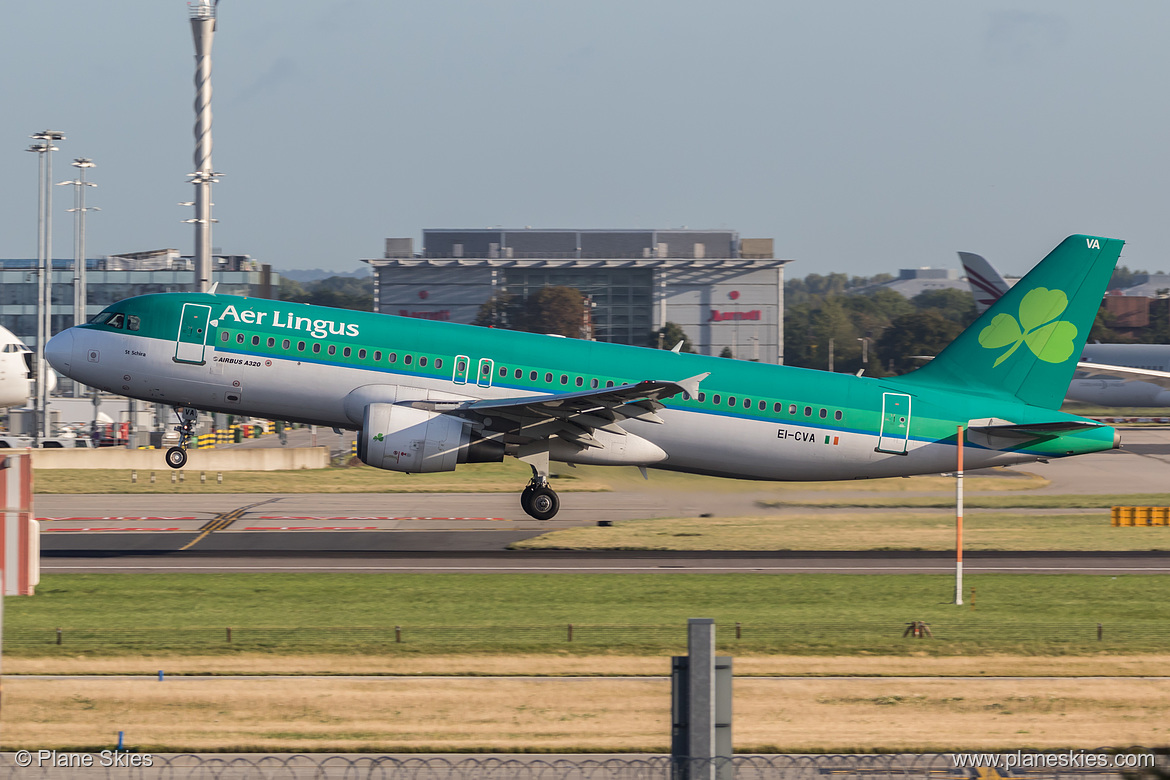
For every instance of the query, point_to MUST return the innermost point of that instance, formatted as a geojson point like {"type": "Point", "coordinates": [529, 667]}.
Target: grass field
{"type": "Point", "coordinates": [391, 715]}
{"type": "Point", "coordinates": [822, 614]}
{"type": "Point", "coordinates": [505, 477]}
{"type": "Point", "coordinates": [1101, 501]}
{"type": "Point", "coordinates": [912, 529]}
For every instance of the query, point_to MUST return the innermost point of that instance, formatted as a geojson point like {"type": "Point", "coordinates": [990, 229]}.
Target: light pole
{"type": "Point", "coordinates": [80, 296]}
{"type": "Point", "coordinates": [41, 423]}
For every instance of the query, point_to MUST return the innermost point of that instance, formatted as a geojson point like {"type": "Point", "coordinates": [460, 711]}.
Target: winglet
{"type": "Point", "coordinates": [211, 289]}
{"type": "Point", "coordinates": [678, 347]}
{"type": "Point", "coordinates": [691, 384]}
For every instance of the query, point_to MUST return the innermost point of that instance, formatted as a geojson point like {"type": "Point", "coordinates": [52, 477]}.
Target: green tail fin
{"type": "Point", "coordinates": [1028, 343]}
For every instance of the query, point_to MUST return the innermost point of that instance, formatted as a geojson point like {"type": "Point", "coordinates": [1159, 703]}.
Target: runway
{"type": "Point", "coordinates": [460, 532]}
{"type": "Point", "coordinates": [621, 562]}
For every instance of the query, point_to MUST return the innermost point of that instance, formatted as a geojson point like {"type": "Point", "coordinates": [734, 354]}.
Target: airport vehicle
{"type": "Point", "coordinates": [426, 396]}
{"type": "Point", "coordinates": [1107, 374]}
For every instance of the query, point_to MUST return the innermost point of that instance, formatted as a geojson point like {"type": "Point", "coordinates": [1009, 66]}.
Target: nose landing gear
{"type": "Point", "coordinates": [177, 456]}
{"type": "Point", "coordinates": [538, 500]}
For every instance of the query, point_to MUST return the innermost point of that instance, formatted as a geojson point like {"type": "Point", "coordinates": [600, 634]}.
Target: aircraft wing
{"type": "Point", "coordinates": [1105, 371]}
{"type": "Point", "coordinates": [570, 416]}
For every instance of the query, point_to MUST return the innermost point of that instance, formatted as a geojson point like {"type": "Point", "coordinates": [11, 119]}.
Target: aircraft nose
{"type": "Point", "coordinates": [59, 351]}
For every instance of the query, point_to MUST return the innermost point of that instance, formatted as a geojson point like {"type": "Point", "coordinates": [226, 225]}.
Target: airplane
{"type": "Point", "coordinates": [16, 370]}
{"type": "Point", "coordinates": [1107, 374]}
{"type": "Point", "coordinates": [426, 396]}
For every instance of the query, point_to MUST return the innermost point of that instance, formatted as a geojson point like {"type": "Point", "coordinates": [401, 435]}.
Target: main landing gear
{"type": "Point", "coordinates": [538, 499]}
{"type": "Point", "coordinates": [177, 456]}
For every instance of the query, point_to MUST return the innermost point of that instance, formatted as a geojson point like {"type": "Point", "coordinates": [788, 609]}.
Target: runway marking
{"type": "Point", "coordinates": [221, 522]}
{"type": "Point", "coordinates": [117, 528]}
{"type": "Point", "coordinates": [107, 519]}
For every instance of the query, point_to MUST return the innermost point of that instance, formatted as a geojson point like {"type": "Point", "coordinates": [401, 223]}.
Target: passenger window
{"type": "Point", "coordinates": [504, 371]}
{"type": "Point", "coordinates": [438, 362]}
{"type": "Point", "coordinates": [808, 411]}
{"type": "Point", "coordinates": [332, 349]}
{"type": "Point", "coordinates": [837, 415]}
{"type": "Point", "coordinates": [548, 377]}
{"type": "Point", "coordinates": [301, 346]}
{"type": "Point", "coordinates": [255, 341]}
{"type": "Point", "coordinates": [393, 357]}
{"type": "Point", "coordinates": [271, 342]}
{"type": "Point", "coordinates": [715, 398]}
{"type": "Point", "coordinates": [407, 358]}
{"type": "Point", "coordinates": [422, 361]}
{"type": "Point", "coordinates": [361, 354]}
{"type": "Point", "coordinates": [378, 355]}
{"type": "Point", "coordinates": [285, 344]}
{"type": "Point", "coordinates": [239, 338]}
{"type": "Point", "coordinates": [564, 379]}
{"type": "Point", "coordinates": [824, 413]}
{"type": "Point", "coordinates": [702, 397]}
{"type": "Point", "coordinates": [519, 373]}
{"type": "Point", "coordinates": [776, 407]}
{"type": "Point", "coordinates": [763, 406]}
{"type": "Point", "coordinates": [580, 381]}
{"type": "Point", "coordinates": [747, 403]}
{"type": "Point", "coordinates": [609, 383]}
{"type": "Point", "coordinates": [594, 383]}
{"type": "Point", "coordinates": [224, 336]}
{"type": "Point", "coordinates": [317, 347]}
{"type": "Point", "coordinates": [461, 366]}
{"type": "Point", "coordinates": [792, 408]}
{"type": "Point", "coordinates": [117, 320]}
{"type": "Point", "coordinates": [132, 322]}
{"type": "Point", "coordinates": [731, 400]}
{"type": "Point", "coordinates": [346, 352]}
{"type": "Point", "coordinates": [532, 376]}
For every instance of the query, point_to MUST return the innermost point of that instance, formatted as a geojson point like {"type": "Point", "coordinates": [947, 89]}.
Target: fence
{"type": "Point", "coordinates": [335, 767]}
{"type": "Point", "coordinates": [738, 636]}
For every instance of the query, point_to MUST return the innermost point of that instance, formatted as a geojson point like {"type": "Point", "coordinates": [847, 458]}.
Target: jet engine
{"type": "Point", "coordinates": [402, 438]}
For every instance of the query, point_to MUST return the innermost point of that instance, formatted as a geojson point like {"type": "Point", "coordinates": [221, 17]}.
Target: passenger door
{"type": "Point", "coordinates": [191, 343]}
{"type": "Point", "coordinates": [895, 430]}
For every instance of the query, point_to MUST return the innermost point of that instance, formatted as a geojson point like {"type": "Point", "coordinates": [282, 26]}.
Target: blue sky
{"type": "Point", "coordinates": [863, 137]}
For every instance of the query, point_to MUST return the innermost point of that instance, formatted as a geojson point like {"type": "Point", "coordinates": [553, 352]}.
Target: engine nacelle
{"type": "Point", "coordinates": [402, 438]}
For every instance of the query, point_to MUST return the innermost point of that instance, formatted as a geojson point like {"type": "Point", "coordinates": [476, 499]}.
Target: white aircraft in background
{"type": "Point", "coordinates": [16, 370]}
{"type": "Point", "coordinates": [1107, 374]}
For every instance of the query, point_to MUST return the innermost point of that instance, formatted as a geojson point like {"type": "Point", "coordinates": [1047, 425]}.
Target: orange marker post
{"type": "Point", "coordinates": [959, 519]}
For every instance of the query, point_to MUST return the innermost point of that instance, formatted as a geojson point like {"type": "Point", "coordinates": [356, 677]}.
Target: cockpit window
{"type": "Point", "coordinates": [132, 322]}
{"type": "Point", "coordinates": [117, 320]}
{"type": "Point", "coordinates": [101, 317]}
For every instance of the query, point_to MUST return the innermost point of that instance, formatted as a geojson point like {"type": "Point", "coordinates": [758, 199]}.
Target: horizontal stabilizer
{"type": "Point", "coordinates": [1030, 430]}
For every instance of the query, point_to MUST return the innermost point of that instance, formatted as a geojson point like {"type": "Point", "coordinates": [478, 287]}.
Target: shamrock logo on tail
{"type": "Point", "coordinates": [377, 437]}
{"type": "Point", "coordinates": [1050, 339]}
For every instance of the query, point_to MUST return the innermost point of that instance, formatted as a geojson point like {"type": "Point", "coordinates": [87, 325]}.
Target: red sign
{"type": "Point", "coordinates": [728, 316]}
{"type": "Point", "coordinates": [445, 314]}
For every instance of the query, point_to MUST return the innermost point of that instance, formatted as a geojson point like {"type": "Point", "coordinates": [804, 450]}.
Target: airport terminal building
{"type": "Point", "coordinates": [722, 290]}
